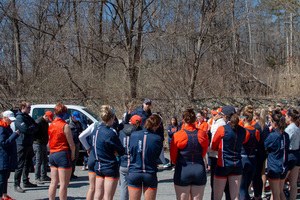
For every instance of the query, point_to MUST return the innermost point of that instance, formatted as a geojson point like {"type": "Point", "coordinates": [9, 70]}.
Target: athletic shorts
{"type": "Point", "coordinates": [190, 175]}
{"type": "Point", "coordinates": [91, 162]}
{"type": "Point", "coordinates": [61, 159]}
{"type": "Point", "coordinates": [276, 176]}
{"type": "Point", "coordinates": [224, 172]}
{"type": "Point", "coordinates": [108, 173]}
{"type": "Point", "coordinates": [139, 180]}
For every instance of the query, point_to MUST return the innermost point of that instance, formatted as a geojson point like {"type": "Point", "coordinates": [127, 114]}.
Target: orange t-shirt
{"type": "Point", "coordinates": [57, 139]}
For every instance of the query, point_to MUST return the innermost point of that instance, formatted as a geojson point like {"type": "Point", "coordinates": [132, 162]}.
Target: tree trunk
{"type": "Point", "coordinates": [17, 43]}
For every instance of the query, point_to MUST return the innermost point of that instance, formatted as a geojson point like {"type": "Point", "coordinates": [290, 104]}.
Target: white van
{"type": "Point", "coordinates": [40, 109]}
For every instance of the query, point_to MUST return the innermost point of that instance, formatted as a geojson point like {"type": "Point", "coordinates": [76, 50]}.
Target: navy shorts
{"type": "Point", "coordinates": [224, 172]}
{"type": "Point", "coordinates": [189, 175]}
{"type": "Point", "coordinates": [91, 162]}
{"type": "Point", "coordinates": [139, 180]}
{"type": "Point", "coordinates": [276, 176]}
{"type": "Point", "coordinates": [111, 172]}
{"type": "Point", "coordinates": [61, 159]}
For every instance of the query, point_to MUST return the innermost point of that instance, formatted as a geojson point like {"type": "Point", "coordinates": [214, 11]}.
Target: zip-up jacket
{"type": "Point", "coordinates": [144, 148]}
{"type": "Point", "coordinates": [124, 138]}
{"type": "Point", "coordinates": [277, 145]}
{"type": "Point", "coordinates": [27, 127]}
{"type": "Point", "coordinates": [8, 147]}
{"type": "Point", "coordinates": [140, 112]}
{"type": "Point", "coordinates": [41, 135]}
{"type": "Point", "coordinates": [106, 144]}
{"type": "Point", "coordinates": [189, 146]}
{"type": "Point", "coordinates": [57, 139]}
{"type": "Point", "coordinates": [229, 143]}
{"type": "Point", "coordinates": [249, 148]}
{"type": "Point", "coordinates": [171, 130]}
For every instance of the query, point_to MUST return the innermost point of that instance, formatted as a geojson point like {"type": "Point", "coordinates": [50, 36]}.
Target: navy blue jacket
{"type": "Point", "coordinates": [140, 112]}
{"type": "Point", "coordinates": [144, 148]}
{"type": "Point", "coordinates": [76, 129]}
{"type": "Point", "coordinates": [27, 127]}
{"type": "Point", "coordinates": [106, 144]}
{"type": "Point", "coordinates": [171, 130]}
{"type": "Point", "coordinates": [8, 148]}
{"type": "Point", "coordinates": [277, 145]}
{"type": "Point", "coordinates": [124, 138]}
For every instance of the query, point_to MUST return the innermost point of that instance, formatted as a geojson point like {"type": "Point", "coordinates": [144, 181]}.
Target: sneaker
{"type": "Point", "coordinates": [7, 198]}
{"type": "Point", "coordinates": [39, 181]}
{"type": "Point", "coordinates": [29, 185]}
{"type": "Point", "coordinates": [46, 179]}
{"type": "Point", "coordinates": [167, 165]}
{"type": "Point", "coordinates": [263, 195]}
{"type": "Point", "coordinates": [19, 189]}
{"type": "Point", "coordinates": [173, 168]}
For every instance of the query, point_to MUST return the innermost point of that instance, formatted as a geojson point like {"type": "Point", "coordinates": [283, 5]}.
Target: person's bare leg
{"type": "Point", "coordinates": [275, 188]}
{"type": "Point", "coordinates": [293, 177]}
{"type": "Point", "coordinates": [135, 193]}
{"type": "Point", "coordinates": [53, 183]}
{"type": "Point", "coordinates": [149, 193]}
{"type": "Point", "coordinates": [110, 185]}
{"type": "Point", "coordinates": [197, 192]}
{"type": "Point", "coordinates": [282, 195]}
{"type": "Point", "coordinates": [234, 186]}
{"type": "Point", "coordinates": [99, 188]}
{"type": "Point", "coordinates": [219, 186]}
{"type": "Point", "coordinates": [92, 182]}
{"type": "Point", "coordinates": [182, 192]}
{"type": "Point", "coordinates": [64, 180]}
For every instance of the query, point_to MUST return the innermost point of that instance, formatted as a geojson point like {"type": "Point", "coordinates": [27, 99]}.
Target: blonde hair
{"type": "Point", "coordinates": [106, 113]}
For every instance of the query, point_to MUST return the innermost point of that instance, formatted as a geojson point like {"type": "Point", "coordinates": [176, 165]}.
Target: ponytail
{"type": "Point", "coordinates": [279, 120]}
{"type": "Point", "coordinates": [234, 121]}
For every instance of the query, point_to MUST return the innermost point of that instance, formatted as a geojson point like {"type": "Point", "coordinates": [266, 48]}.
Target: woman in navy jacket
{"type": "Point", "coordinates": [107, 146]}
{"type": "Point", "coordinates": [228, 142]}
{"type": "Point", "coordinates": [277, 146]}
{"type": "Point", "coordinates": [144, 148]}
{"type": "Point", "coordinates": [8, 151]}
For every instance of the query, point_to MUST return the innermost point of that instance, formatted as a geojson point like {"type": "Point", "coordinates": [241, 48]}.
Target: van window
{"type": "Point", "coordinates": [37, 112]}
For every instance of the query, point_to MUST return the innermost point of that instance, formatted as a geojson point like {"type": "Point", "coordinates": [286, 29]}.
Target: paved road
{"type": "Point", "coordinates": [79, 187]}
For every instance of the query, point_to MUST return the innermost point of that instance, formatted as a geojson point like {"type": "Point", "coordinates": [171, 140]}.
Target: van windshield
{"type": "Point", "coordinates": [91, 113]}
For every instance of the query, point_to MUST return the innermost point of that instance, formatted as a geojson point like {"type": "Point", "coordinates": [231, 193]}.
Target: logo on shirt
{"type": "Point", "coordinates": [140, 146]}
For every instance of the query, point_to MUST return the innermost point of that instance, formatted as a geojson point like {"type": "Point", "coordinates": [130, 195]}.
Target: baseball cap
{"type": "Point", "coordinates": [9, 115]}
{"type": "Point", "coordinates": [228, 110]}
{"type": "Point", "coordinates": [135, 118]}
{"type": "Point", "coordinates": [50, 115]}
{"type": "Point", "coordinates": [147, 101]}
{"type": "Point", "coordinates": [76, 115]}
{"type": "Point", "coordinates": [215, 112]}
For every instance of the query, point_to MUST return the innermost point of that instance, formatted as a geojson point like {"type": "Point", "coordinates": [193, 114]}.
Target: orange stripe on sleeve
{"type": "Point", "coordinates": [257, 135]}
{"type": "Point", "coordinates": [203, 140]}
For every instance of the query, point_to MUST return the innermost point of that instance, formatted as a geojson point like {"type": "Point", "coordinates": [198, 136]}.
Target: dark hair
{"type": "Point", "coordinates": [294, 114]}
{"type": "Point", "coordinates": [189, 116]}
{"type": "Point", "coordinates": [248, 112]}
{"type": "Point", "coordinates": [234, 121]}
{"type": "Point", "coordinates": [279, 119]}
{"type": "Point", "coordinates": [60, 109]}
{"type": "Point", "coordinates": [152, 122]}
{"type": "Point", "coordinates": [201, 113]}
{"type": "Point", "coordinates": [176, 123]}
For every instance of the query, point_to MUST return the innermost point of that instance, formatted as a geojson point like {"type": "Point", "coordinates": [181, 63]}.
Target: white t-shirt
{"type": "Point", "coordinates": [213, 130]}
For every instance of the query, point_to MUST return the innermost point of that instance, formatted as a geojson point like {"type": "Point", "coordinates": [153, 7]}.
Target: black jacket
{"type": "Point", "coordinates": [41, 135]}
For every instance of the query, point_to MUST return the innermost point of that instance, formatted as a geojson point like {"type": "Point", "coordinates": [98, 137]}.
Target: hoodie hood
{"type": "Point", "coordinates": [3, 123]}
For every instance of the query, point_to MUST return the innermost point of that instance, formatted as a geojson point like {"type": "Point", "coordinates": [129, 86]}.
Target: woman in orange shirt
{"type": "Point", "coordinates": [62, 152]}
{"type": "Point", "coordinates": [200, 123]}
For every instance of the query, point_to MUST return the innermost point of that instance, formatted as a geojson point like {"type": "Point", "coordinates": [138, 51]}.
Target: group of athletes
{"type": "Point", "coordinates": [237, 141]}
